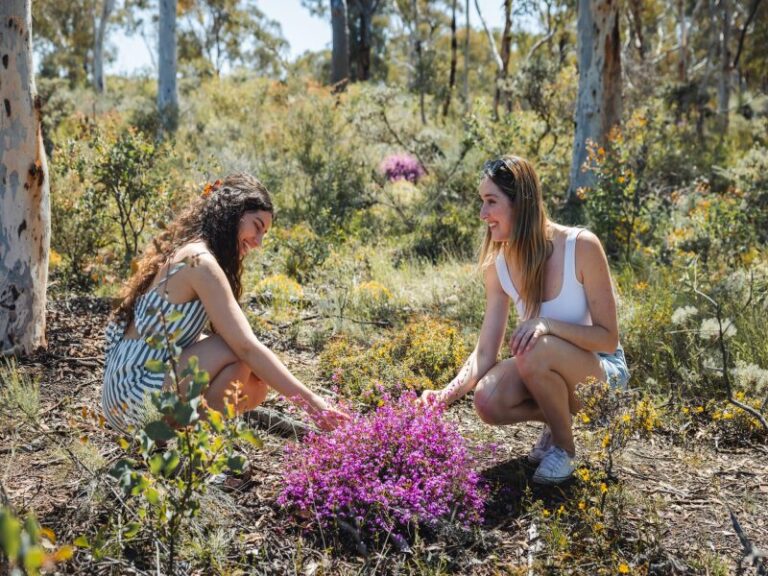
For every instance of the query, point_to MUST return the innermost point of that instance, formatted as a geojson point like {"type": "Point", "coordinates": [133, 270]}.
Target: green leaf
{"type": "Point", "coordinates": [201, 377]}
{"type": "Point", "coordinates": [164, 464]}
{"type": "Point", "coordinates": [155, 366]}
{"type": "Point", "coordinates": [156, 464]}
{"type": "Point", "coordinates": [159, 431]}
{"type": "Point", "coordinates": [32, 528]}
{"type": "Point", "coordinates": [152, 496]}
{"type": "Point", "coordinates": [216, 420]}
{"type": "Point", "coordinates": [251, 438]}
{"type": "Point", "coordinates": [34, 559]}
{"type": "Point", "coordinates": [10, 534]}
{"type": "Point", "coordinates": [82, 542]}
{"type": "Point", "coordinates": [236, 463]}
{"type": "Point", "coordinates": [184, 414]}
{"type": "Point", "coordinates": [174, 316]}
{"type": "Point", "coordinates": [131, 530]}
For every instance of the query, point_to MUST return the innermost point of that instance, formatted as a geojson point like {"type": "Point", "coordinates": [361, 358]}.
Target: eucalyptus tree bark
{"type": "Point", "coordinates": [506, 51]}
{"type": "Point", "coordinates": [454, 51]}
{"type": "Point", "coordinates": [724, 81]}
{"type": "Point", "coordinates": [99, 37]}
{"type": "Point", "coordinates": [743, 34]}
{"type": "Point", "coordinates": [340, 51]}
{"type": "Point", "coordinates": [467, 103]}
{"type": "Point", "coordinates": [25, 213]}
{"type": "Point", "coordinates": [167, 94]}
{"type": "Point", "coordinates": [367, 10]}
{"type": "Point", "coordinates": [683, 61]}
{"type": "Point", "coordinates": [497, 58]}
{"type": "Point", "coordinates": [419, 57]}
{"type": "Point", "coordinates": [636, 11]}
{"type": "Point", "coordinates": [598, 105]}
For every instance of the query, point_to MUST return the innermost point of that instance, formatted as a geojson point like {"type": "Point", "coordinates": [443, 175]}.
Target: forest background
{"type": "Point", "coordinates": [367, 284]}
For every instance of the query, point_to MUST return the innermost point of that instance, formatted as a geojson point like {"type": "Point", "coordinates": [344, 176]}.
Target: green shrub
{"type": "Point", "coordinates": [426, 353]}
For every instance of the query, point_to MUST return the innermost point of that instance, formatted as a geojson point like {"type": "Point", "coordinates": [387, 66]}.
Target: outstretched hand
{"type": "Point", "coordinates": [326, 417]}
{"type": "Point", "coordinates": [330, 419]}
{"type": "Point", "coordinates": [431, 398]}
{"type": "Point", "coordinates": [526, 335]}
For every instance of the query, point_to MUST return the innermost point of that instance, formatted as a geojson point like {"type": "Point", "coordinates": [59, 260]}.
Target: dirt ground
{"type": "Point", "coordinates": [692, 485]}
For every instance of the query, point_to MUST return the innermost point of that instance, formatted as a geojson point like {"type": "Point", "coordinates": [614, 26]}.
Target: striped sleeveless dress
{"type": "Point", "coordinates": [127, 383]}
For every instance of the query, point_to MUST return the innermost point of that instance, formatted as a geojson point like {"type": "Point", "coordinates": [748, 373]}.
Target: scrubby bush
{"type": "Point", "coordinates": [385, 473]}
{"type": "Point", "coordinates": [425, 354]}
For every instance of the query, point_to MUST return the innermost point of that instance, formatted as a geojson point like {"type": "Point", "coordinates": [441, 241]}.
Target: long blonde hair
{"type": "Point", "coordinates": [529, 244]}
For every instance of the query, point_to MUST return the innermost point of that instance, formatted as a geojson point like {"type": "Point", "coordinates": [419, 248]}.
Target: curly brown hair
{"type": "Point", "coordinates": [213, 218]}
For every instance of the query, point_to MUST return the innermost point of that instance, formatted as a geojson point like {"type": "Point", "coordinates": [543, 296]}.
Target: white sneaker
{"type": "Point", "coordinates": [557, 466]}
{"type": "Point", "coordinates": [542, 445]}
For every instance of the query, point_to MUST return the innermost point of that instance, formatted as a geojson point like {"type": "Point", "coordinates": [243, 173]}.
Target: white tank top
{"type": "Point", "coordinates": [568, 306]}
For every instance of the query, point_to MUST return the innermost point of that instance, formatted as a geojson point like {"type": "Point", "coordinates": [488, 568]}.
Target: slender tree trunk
{"type": "Point", "coordinates": [743, 34]}
{"type": "Point", "coordinates": [724, 81]}
{"type": "Point", "coordinates": [496, 57]}
{"type": "Point", "coordinates": [340, 54]}
{"type": "Point", "coordinates": [419, 57]}
{"type": "Point", "coordinates": [25, 213]}
{"type": "Point", "coordinates": [598, 106]}
{"type": "Point", "coordinates": [367, 9]}
{"type": "Point", "coordinates": [99, 84]}
{"type": "Point", "coordinates": [454, 54]}
{"type": "Point", "coordinates": [683, 62]}
{"type": "Point", "coordinates": [467, 103]}
{"type": "Point", "coordinates": [506, 50]}
{"type": "Point", "coordinates": [636, 10]}
{"type": "Point", "coordinates": [167, 95]}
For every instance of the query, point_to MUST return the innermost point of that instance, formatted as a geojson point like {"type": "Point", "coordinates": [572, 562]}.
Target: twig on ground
{"type": "Point", "coordinates": [752, 554]}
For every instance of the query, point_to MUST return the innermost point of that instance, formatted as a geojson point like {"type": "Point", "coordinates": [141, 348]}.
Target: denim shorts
{"type": "Point", "coordinates": [615, 368]}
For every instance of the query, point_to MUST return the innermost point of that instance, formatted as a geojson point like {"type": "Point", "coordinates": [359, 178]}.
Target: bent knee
{"type": "Point", "coordinates": [537, 360]}
{"type": "Point", "coordinates": [484, 406]}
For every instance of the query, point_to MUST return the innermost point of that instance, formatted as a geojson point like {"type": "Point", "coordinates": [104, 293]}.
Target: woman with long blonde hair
{"type": "Point", "coordinates": [560, 283]}
{"type": "Point", "coordinates": [190, 277]}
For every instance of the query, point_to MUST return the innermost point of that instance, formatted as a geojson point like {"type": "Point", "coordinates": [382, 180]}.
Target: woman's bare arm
{"type": "Point", "coordinates": [594, 273]}
{"type": "Point", "coordinates": [483, 358]}
{"type": "Point", "coordinates": [209, 283]}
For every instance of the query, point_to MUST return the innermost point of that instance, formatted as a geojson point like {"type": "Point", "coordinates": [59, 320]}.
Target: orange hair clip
{"type": "Point", "coordinates": [211, 188]}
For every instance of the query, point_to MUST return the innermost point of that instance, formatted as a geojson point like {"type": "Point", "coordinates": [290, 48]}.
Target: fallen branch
{"type": "Point", "coordinates": [753, 555]}
{"type": "Point", "coordinates": [276, 422]}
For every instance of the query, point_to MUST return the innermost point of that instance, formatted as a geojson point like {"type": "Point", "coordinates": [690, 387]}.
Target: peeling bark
{"type": "Point", "coordinates": [598, 107]}
{"type": "Point", "coordinates": [99, 82]}
{"type": "Point", "coordinates": [167, 94]}
{"type": "Point", "coordinates": [25, 223]}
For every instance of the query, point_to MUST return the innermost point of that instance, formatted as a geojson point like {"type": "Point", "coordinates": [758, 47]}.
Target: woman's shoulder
{"type": "Point", "coordinates": [193, 254]}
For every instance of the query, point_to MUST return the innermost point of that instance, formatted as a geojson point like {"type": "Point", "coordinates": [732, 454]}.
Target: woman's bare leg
{"type": "Point", "coordinates": [551, 372]}
{"type": "Point", "coordinates": [224, 369]}
{"type": "Point", "coordinates": [502, 398]}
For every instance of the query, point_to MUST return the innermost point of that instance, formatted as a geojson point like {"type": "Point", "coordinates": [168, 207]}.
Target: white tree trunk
{"type": "Point", "coordinates": [99, 37]}
{"type": "Point", "coordinates": [340, 53]}
{"type": "Point", "coordinates": [167, 95]}
{"type": "Point", "coordinates": [25, 213]}
{"type": "Point", "coordinates": [598, 107]}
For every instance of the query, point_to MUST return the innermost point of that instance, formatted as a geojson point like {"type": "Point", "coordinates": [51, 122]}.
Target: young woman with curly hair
{"type": "Point", "coordinates": [189, 277]}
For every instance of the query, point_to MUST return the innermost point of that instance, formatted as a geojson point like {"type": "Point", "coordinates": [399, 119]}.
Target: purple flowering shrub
{"type": "Point", "coordinates": [402, 167]}
{"type": "Point", "coordinates": [385, 471]}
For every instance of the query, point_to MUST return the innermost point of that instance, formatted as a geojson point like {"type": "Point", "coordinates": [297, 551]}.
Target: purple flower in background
{"type": "Point", "coordinates": [402, 167]}
{"type": "Point", "coordinates": [401, 465]}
